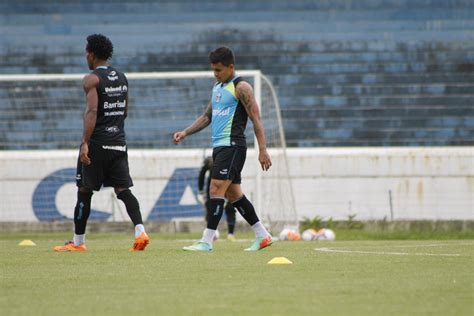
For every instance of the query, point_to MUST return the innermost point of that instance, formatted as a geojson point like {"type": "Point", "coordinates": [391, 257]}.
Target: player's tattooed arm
{"type": "Point", "coordinates": [90, 114]}
{"type": "Point", "coordinates": [245, 94]}
{"type": "Point", "coordinates": [199, 124]}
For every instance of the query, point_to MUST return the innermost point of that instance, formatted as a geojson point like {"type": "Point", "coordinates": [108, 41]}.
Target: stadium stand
{"type": "Point", "coordinates": [348, 73]}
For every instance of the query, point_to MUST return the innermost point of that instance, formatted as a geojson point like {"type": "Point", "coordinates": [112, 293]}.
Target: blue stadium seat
{"type": "Point", "coordinates": [348, 72]}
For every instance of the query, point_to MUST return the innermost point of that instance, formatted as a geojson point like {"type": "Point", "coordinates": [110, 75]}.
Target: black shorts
{"type": "Point", "coordinates": [228, 163]}
{"type": "Point", "coordinates": [108, 168]}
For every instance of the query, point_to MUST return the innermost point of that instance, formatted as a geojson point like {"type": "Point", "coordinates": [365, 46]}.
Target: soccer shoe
{"type": "Point", "coordinates": [140, 242]}
{"type": "Point", "coordinates": [231, 237]}
{"type": "Point", "coordinates": [199, 246]}
{"type": "Point", "coordinates": [260, 243]}
{"type": "Point", "coordinates": [70, 247]}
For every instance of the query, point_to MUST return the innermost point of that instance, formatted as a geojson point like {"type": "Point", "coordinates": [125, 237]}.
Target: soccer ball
{"type": "Point", "coordinates": [290, 234]}
{"type": "Point", "coordinates": [284, 234]}
{"type": "Point", "coordinates": [326, 234]}
{"type": "Point", "coordinates": [309, 234]}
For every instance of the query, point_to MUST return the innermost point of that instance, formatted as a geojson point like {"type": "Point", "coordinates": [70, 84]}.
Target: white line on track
{"type": "Point", "coordinates": [387, 252]}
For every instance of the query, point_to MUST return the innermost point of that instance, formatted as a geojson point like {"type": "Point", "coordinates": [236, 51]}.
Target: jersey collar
{"type": "Point", "coordinates": [223, 84]}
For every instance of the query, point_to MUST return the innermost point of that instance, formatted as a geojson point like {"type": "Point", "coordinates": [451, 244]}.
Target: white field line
{"type": "Point", "coordinates": [329, 250]}
{"type": "Point", "coordinates": [430, 245]}
{"type": "Point", "coordinates": [218, 240]}
{"type": "Point", "coordinates": [415, 245]}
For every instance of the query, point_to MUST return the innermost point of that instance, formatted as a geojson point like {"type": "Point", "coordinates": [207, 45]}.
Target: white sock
{"type": "Point", "coordinates": [139, 229]}
{"type": "Point", "coordinates": [260, 230]}
{"type": "Point", "coordinates": [208, 235]}
{"type": "Point", "coordinates": [79, 239]}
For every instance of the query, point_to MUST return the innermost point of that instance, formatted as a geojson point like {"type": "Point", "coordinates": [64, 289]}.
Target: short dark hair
{"type": "Point", "coordinates": [222, 55]}
{"type": "Point", "coordinates": [100, 45]}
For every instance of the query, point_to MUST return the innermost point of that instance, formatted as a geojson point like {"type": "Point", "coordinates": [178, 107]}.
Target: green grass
{"type": "Point", "coordinates": [164, 280]}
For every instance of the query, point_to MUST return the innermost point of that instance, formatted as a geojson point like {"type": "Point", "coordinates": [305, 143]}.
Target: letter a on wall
{"type": "Point", "coordinates": [175, 200]}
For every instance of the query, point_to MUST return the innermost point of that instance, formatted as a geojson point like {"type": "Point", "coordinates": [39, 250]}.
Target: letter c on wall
{"type": "Point", "coordinates": [44, 197]}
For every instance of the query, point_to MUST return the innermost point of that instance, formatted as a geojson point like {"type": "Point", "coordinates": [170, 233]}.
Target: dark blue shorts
{"type": "Point", "coordinates": [228, 163]}
{"type": "Point", "coordinates": [108, 168]}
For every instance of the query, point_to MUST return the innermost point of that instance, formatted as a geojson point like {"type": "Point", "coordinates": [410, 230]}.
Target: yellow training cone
{"type": "Point", "coordinates": [279, 260]}
{"type": "Point", "coordinates": [27, 242]}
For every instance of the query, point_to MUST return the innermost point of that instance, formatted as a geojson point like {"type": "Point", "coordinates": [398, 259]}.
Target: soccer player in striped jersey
{"type": "Point", "coordinates": [232, 103]}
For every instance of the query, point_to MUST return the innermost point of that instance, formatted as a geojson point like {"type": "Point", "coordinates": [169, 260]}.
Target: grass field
{"type": "Point", "coordinates": [361, 277]}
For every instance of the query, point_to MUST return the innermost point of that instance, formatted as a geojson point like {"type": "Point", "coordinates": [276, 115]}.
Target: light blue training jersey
{"type": "Point", "coordinates": [229, 117]}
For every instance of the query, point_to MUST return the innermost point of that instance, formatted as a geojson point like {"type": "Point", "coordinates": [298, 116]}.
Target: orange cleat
{"type": "Point", "coordinates": [140, 242]}
{"type": "Point", "coordinates": [70, 247]}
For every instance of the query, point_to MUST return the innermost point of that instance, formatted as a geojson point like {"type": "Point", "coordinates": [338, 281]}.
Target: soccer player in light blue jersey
{"type": "Point", "coordinates": [232, 103]}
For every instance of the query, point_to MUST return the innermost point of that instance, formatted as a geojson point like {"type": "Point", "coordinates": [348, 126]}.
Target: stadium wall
{"type": "Point", "coordinates": [435, 183]}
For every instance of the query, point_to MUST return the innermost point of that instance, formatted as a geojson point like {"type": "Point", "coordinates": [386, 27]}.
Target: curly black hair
{"type": "Point", "coordinates": [222, 55]}
{"type": "Point", "coordinates": [100, 45]}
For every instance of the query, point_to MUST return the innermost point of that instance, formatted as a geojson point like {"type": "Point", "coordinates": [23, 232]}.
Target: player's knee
{"type": "Point", "coordinates": [128, 198]}
{"type": "Point", "coordinates": [233, 196]}
{"type": "Point", "coordinates": [119, 190]}
{"type": "Point", "coordinates": [85, 190]}
{"type": "Point", "coordinates": [123, 193]}
{"type": "Point", "coordinates": [215, 189]}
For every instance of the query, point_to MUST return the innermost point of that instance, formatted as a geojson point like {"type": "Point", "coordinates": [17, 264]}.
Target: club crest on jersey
{"type": "Point", "coordinates": [218, 97]}
{"type": "Point", "coordinates": [112, 76]}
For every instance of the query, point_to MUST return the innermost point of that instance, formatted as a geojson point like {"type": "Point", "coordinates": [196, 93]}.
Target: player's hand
{"type": "Point", "coordinates": [264, 159]}
{"type": "Point", "coordinates": [178, 137]}
{"type": "Point", "coordinates": [84, 154]}
{"type": "Point", "coordinates": [200, 198]}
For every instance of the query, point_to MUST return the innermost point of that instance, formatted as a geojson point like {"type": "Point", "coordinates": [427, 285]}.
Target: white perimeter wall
{"type": "Point", "coordinates": [425, 183]}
